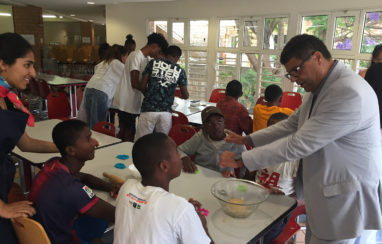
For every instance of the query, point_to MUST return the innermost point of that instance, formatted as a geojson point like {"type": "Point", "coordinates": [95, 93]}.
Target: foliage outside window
{"type": "Point", "coordinates": [275, 33]}
{"type": "Point", "coordinates": [248, 78]}
{"type": "Point", "coordinates": [251, 32]}
{"type": "Point", "coordinates": [226, 69]}
{"type": "Point", "coordinates": [228, 34]}
{"type": "Point", "coordinates": [316, 25]}
{"type": "Point", "coordinates": [372, 31]}
{"type": "Point", "coordinates": [343, 34]}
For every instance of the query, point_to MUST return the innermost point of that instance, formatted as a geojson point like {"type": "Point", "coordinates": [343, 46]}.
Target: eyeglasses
{"type": "Point", "coordinates": [294, 72]}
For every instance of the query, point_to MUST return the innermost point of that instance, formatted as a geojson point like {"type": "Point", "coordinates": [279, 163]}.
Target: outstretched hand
{"type": "Point", "coordinates": [16, 209]}
{"type": "Point", "coordinates": [227, 160]}
{"type": "Point", "coordinates": [232, 137]}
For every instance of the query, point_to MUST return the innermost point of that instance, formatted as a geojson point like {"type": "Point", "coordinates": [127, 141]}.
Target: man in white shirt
{"type": "Point", "coordinates": [128, 99]}
{"type": "Point", "coordinates": [146, 212]}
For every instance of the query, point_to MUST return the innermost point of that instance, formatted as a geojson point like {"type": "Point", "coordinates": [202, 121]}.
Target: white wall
{"type": "Point", "coordinates": [131, 17]}
{"type": "Point", "coordinates": [6, 22]}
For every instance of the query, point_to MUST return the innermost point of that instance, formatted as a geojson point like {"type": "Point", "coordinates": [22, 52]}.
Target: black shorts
{"type": "Point", "coordinates": [127, 119]}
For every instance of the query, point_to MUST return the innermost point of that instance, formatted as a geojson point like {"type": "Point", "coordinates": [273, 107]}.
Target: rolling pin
{"type": "Point", "coordinates": [114, 179]}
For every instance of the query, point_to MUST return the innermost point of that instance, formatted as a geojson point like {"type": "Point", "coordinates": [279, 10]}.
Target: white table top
{"type": "Point", "coordinates": [43, 131]}
{"type": "Point", "coordinates": [55, 80]}
{"type": "Point", "coordinates": [184, 106]}
{"type": "Point", "coordinates": [195, 118]}
{"type": "Point", "coordinates": [222, 228]}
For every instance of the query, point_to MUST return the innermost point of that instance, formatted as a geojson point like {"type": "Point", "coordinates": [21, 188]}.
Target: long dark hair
{"type": "Point", "coordinates": [115, 52]}
{"type": "Point", "coordinates": [12, 47]}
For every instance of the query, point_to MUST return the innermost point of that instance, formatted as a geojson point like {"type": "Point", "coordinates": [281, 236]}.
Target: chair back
{"type": "Point", "coordinates": [179, 118]}
{"type": "Point", "coordinates": [79, 95]}
{"type": "Point", "coordinates": [261, 101]}
{"type": "Point", "coordinates": [181, 133]}
{"type": "Point", "coordinates": [58, 106]}
{"type": "Point", "coordinates": [43, 88]}
{"type": "Point", "coordinates": [33, 86]}
{"type": "Point", "coordinates": [105, 128]}
{"type": "Point", "coordinates": [217, 95]}
{"type": "Point", "coordinates": [177, 92]}
{"type": "Point", "coordinates": [291, 100]}
{"type": "Point", "coordinates": [29, 231]}
{"type": "Point", "coordinates": [291, 227]}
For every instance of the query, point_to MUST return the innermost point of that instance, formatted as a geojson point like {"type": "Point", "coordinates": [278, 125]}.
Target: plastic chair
{"type": "Point", "coordinates": [79, 95]}
{"type": "Point", "coordinates": [105, 128]}
{"type": "Point", "coordinates": [29, 231]}
{"type": "Point", "coordinates": [291, 100]}
{"type": "Point", "coordinates": [217, 95]}
{"type": "Point", "coordinates": [58, 106]}
{"type": "Point", "coordinates": [260, 100]}
{"type": "Point", "coordinates": [179, 118]}
{"type": "Point", "coordinates": [291, 227]}
{"type": "Point", "coordinates": [43, 88]}
{"type": "Point", "coordinates": [181, 133]}
{"type": "Point", "coordinates": [33, 86]}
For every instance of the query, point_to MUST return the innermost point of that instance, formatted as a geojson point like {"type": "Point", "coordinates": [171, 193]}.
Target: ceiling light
{"type": "Point", "coordinates": [72, 15]}
{"type": "Point", "coordinates": [5, 14]}
{"type": "Point", "coordinates": [60, 16]}
{"type": "Point", "coordinates": [49, 16]}
{"type": "Point", "coordinates": [91, 3]}
{"type": "Point", "coordinates": [90, 20]}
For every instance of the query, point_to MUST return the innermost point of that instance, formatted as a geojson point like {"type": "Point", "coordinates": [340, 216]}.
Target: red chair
{"type": "Point", "coordinates": [217, 95]}
{"type": "Point", "coordinates": [58, 106]}
{"type": "Point", "coordinates": [261, 101]}
{"type": "Point", "coordinates": [181, 133]}
{"type": "Point", "coordinates": [179, 118]}
{"type": "Point", "coordinates": [33, 86]}
{"type": "Point", "coordinates": [79, 95]}
{"type": "Point", "coordinates": [291, 100]}
{"type": "Point", "coordinates": [291, 227]}
{"type": "Point", "coordinates": [105, 128]}
{"type": "Point", "coordinates": [43, 88]}
{"type": "Point", "coordinates": [177, 92]}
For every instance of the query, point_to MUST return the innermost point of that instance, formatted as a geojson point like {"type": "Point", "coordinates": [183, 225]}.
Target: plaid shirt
{"type": "Point", "coordinates": [236, 116]}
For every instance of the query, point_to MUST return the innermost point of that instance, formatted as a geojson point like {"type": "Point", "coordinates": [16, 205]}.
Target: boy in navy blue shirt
{"type": "Point", "coordinates": [61, 193]}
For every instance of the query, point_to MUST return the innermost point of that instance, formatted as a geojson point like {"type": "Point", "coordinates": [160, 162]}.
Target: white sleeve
{"type": "Point", "coordinates": [189, 228]}
{"type": "Point", "coordinates": [135, 63]}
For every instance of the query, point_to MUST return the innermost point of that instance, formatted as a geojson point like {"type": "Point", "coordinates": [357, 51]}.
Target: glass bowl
{"type": "Point", "coordinates": [239, 198]}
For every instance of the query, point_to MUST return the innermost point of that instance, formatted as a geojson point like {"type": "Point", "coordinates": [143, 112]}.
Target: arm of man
{"type": "Point", "coordinates": [333, 119]}
{"type": "Point", "coordinates": [29, 144]}
{"type": "Point", "coordinates": [134, 77]}
{"type": "Point", "coordinates": [187, 149]}
{"type": "Point", "coordinates": [102, 210]}
{"type": "Point", "coordinates": [182, 83]}
{"type": "Point", "coordinates": [95, 182]}
{"type": "Point", "coordinates": [184, 92]}
{"type": "Point", "coordinates": [143, 85]}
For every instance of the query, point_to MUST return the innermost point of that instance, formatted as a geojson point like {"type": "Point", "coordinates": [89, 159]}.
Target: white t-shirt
{"type": "Point", "coordinates": [106, 77]}
{"type": "Point", "coordinates": [127, 98]}
{"type": "Point", "coordinates": [281, 176]}
{"type": "Point", "coordinates": [147, 215]}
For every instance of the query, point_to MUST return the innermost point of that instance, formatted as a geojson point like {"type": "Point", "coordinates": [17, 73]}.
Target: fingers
{"type": "Point", "coordinates": [189, 166]}
{"type": "Point", "coordinates": [18, 209]}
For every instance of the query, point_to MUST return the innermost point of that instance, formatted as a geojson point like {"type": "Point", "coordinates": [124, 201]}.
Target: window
{"type": "Point", "coordinates": [372, 33]}
{"type": "Point", "coordinates": [347, 62]}
{"type": "Point", "coordinates": [178, 33]}
{"type": "Point", "coordinates": [275, 33]}
{"type": "Point", "coordinates": [316, 25]}
{"type": "Point", "coordinates": [198, 33]}
{"type": "Point", "coordinates": [248, 78]}
{"type": "Point", "coordinates": [197, 74]}
{"type": "Point", "coordinates": [228, 34]}
{"type": "Point", "coordinates": [158, 26]}
{"type": "Point", "coordinates": [251, 33]}
{"type": "Point", "coordinates": [271, 72]}
{"type": "Point", "coordinates": [343, 33]}
{"type": "Point", "coordinates": [226, 69]}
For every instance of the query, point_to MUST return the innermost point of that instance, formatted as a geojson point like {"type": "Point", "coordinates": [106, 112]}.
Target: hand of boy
{"type": "Point", "coordinates": [235, 138]}
{"type": "Point", "coordinates": [188, 165]}
{"type": "Point", "coordinates": [16, 209]}
{"type": "Point", "coordinates": [227, 160]}
{"type": "Point", "coordinates": [227, 173]}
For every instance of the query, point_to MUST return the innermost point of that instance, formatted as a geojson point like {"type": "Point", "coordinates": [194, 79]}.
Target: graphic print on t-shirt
{"type": "Point", "coordinates": [165, 74]}
{"type": "Point", "coordinates": [269, 180]}
{"type": "Point", "coordinates": [88, 191]}
{"type": "Point", "coordinates": [135, 201]}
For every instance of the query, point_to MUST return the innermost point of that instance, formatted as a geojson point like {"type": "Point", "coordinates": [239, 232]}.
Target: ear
{"type": "Point", "coordinates": [70, 151]}
{"type": "Point", "coordinates": [3, 66]}
{"type": "Point", "coordinates": [164, 166]}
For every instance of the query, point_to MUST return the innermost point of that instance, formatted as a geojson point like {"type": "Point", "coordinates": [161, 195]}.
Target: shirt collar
{"type": "Point", "coordinates": [319, 88]}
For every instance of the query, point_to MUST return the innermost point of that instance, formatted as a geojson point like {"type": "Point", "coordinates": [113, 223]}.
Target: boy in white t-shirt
{"type": "Point", "coordinates": [146, 212]}
{"type": "Point", "coordinates": [128, 98]}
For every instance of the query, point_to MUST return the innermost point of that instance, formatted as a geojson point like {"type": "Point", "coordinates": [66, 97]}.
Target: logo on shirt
{"type": "Point", "coordinates": [88, 191]}
{"type": "Point", "coordinates": [165, 74]}
{"type": "Point", "coordinates": [135, 201]}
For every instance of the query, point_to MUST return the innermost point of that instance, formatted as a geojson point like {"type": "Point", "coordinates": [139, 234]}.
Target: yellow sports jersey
{"type": "Point", "coordinates": [261, 114]}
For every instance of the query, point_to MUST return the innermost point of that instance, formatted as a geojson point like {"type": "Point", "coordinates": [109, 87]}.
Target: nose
{"type": "Point", "coordinates": [293, 79]}
{"type": "Point", "coordinates": [95, 142]}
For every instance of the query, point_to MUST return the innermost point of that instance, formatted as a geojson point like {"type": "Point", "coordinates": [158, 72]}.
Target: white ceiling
{"type": "Point", "coordinates": [80, 8]}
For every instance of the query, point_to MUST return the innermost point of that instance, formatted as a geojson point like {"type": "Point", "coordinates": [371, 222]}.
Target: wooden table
{"type": "Point", "coordinates": [223, 229]}
{"type": "Point", "coordinates": [58, 81]}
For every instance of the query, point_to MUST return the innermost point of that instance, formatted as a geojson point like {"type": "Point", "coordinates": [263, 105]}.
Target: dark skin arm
{"type": "Point", "coordinates": [184, 92]}
{"type": "Point", "coordinates": [102, 210]}
{"type": "Point", "coordinates": [188, 165]}
{"type": "Point", "coordinates": [134, 75]}
{"type": "Point", "coordinates": [97, 183]}
{"type": "Point", "coordinates": [143, 85]}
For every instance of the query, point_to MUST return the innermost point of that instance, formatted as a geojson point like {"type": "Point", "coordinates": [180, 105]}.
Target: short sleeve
{"type": "Point", "coordinates": [189, 227]}
{"type": "Point", "coordinates": [149, 68]}
{"type": "Point", "coordinates": [135, 63]}
{"type": "Point", "coordinates": [82, 197]}
{"type": "Point", "coordinates": [182, 81]}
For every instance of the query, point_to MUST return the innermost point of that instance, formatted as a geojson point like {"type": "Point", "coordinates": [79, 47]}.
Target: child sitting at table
{"type": "Point", "coordinates": [61, 193]}
{"type": "Point", "coordinates": [146, 212]}
{"type": "Point", "coordinates": [208, 144]}
{"type": "Point", "coordinates": [280, 179]}
{"type": "Point", "coordinates": [159, 80]}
